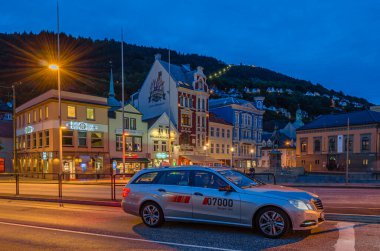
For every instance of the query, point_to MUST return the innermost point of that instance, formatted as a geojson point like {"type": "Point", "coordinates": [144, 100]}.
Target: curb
{"type": "Point", "coordinates": [353, 218]}
{"type": "Point", "coordinates": [330, 186]}
{"type": "Point", "coordinates": [68, 201]}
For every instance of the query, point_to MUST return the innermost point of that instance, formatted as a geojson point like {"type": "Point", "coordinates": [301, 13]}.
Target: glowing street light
{"type": "Point", "coordinates": [54, 67]}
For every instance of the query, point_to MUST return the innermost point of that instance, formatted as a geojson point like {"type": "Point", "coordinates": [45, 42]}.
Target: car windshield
{"type": "Point", "coordinates": [239, 179]}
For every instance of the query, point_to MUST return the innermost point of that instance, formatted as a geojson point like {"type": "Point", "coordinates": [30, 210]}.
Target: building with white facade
{"type": "Point", "coordinates": [183, 94]}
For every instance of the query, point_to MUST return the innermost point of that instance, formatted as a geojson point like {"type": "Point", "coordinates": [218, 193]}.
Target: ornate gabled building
{"type": "Point", "coordinates": [247, 120]}
{"type": "Point", "coordinates": [183, 94]}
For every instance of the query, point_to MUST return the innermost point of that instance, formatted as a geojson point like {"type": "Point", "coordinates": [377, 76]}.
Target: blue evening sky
{"type": "Point", "coordinates": [335, 43]}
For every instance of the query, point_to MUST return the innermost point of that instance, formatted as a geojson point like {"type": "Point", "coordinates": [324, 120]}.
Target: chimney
{"type": "Point", "coordinates": [157, 56]}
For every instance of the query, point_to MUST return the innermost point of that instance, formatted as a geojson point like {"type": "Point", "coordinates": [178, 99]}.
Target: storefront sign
{"type": "Point", "coordinates": [44, 155]}
{"type": "Point", "coordinates": [162, 155]}
{"type": "Point", "coordinates": [131, 155]}
{"type": "Point", "coordinates": [81, 126]}
{"type": "Point", "coordinates": [29, 129]}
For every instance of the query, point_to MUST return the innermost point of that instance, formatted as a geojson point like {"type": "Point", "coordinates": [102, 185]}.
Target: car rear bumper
{"type": "Point", "coordinates": [306, 220]}
{"type": "Point", "coordinates": [130, 208]}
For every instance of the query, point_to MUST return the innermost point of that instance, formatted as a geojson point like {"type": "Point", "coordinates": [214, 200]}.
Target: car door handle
{"type": "Point", "coordinates": [198, 194]}
{"type": "Point", "coordinates": [162, 190]}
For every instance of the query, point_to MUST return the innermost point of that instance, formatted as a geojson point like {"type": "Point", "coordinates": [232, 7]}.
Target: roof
{"type": "Point", "coordinates": [215, 119]}
{"type": "Point", "coordinates": [6, 129]}
{"type": "Point", "coordinates": [340, 120]}
{"type": "Point", "coordinates": [182, 74]}
{"type": "Point", "coordinates": [229, 101]}
{"type": "Point", "coordinates": [151, 121]}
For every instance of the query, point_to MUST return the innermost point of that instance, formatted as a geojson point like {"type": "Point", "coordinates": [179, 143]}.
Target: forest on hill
{"type": "Point", "coordinates": [86, 63]}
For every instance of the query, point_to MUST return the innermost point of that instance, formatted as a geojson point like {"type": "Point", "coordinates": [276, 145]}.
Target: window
{"type": "Point", "coordinates": [90, 113]}
{"type": "Point", "coordinates": [332, 144]}
{"type": "Point", "coordinates": [132, 124]}
{"type": "Point", "coordinates": [217, 132]}
{"type": "Point", "coordinates": [67, 138]}
{"type": "Point", "coordinates": [119, 143]}
{"type": "Point", "coordinates": [208, 180]}
{"type": "Point", "coordinates": [317, 145]}
{"type": "Point", "coordinates": [146, 178]}
{"type": "Point", "coordinates": [203, 104]}
{"type": "Point", "coordinates": [126, 123]}
{"type": "Point", "coordinates": [365, 145]}
{"type": "Point", "coordinates": [155, 146]}
{"type": "Point", "coordinates": [40, 114]}
{"type": "Point", "coordinates": [217, 148]}
{"type": "Point", "coordinates": [236, 118]}
{"type": "Point", "coordinates": [96, 139]}
{"type": "Point", "coordinates": [28, 141]}
{"type": "Point", "coordinates": [137, 144]}
{"type": "Point", "coordinates": [40, 139]}
{"type": "Point", "coordinates": [47, 138]}
{"type": "Point", "coordinates": [212, 129]}
{"type": "Point", "coordinates": [28, 118]}
{"type": "Point", "coordinates": [176, 178]}
{"type": "Point", "coordinates": [203, 121]}
{"type": "Point", "coordinates": [71, 112]}
{"type": "Point", "coordinates": [212, 148]}
{"type": "Point", "coordinates": [82, 139]}
{"type": "Point", "coordinates": [46, 112]}
{"type": "Point", "coordinates": [228, 149]}
{"type": "Point", "coordinates": [223, 132]}
{"type": "Point", "coordinates": [349, 143]}
{"type": "Point", "coordinates": [34, 116]}
{"type": "Point", "coordinates": [222, 148]}
{"type": "Point", "coordinates": [365, 162]}
{"type": "Point", "coordinates": [163, 146]}
{"type": "Point", "coordinates": [228, 133]}
{"type": "Point", "coordinates": [133, 144]}
{"type": "Point", "coordinates": [304, 145]}
{"type": "Point", "coordinates": [316, 161]}
{"type": "Point", "coordinates": [185, 120]}
{"type": "Point", "coordinates": [34, 145]}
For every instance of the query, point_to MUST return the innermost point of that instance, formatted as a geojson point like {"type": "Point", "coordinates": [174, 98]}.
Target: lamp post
{"type": "Point", "coordinates": [232, 156]}
{"type": "Point", "coordinates": [251, 151]}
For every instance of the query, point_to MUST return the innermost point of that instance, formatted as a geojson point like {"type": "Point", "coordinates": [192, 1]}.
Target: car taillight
{"type": "Point", "coordinates": [126, 191]}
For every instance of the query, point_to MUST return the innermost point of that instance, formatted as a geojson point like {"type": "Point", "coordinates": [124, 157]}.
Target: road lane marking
{"type": "Point", "coordinates": [115, 237]}
{"type": "Point", "coordinates": [346, 240]}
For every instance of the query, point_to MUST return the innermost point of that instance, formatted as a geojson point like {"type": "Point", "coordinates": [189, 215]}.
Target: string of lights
{"type": "Point", "coordinates": [220, 72]}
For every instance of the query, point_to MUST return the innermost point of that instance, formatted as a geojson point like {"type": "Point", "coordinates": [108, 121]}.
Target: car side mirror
{"type": "Point", "coordinates": [227, 188]}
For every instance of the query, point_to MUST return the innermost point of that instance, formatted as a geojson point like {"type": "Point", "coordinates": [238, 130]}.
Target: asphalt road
{"type": "Point", "coordinates": [335, 200]}
{"type": "Point", "coordinates": [50, 226]}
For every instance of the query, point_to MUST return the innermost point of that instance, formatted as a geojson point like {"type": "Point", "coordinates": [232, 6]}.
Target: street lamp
{"type": "Point", "coordinates": [55, 67]}
{"type": "Point", "coordinates": [232, 157]}
{"type": "Point", "coordinates": [251, 152]}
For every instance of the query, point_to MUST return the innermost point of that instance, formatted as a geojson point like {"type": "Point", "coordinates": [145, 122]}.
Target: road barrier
{"type": "Point", "coordinates": [61, 179]}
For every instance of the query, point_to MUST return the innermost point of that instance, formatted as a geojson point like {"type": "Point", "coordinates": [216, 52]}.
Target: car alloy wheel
{"type": "Point", "coordinates": [272, 222]}
{"type": "Point", "coordinates": [151, 215]}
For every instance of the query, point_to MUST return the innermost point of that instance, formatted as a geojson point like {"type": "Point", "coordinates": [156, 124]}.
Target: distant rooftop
{"type": "Point", "coordinates": [340, 120]}
{"type": "Point", "coordinates": [216, 119]}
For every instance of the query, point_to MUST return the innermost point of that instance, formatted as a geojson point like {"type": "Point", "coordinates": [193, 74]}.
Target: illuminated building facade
{"type": "Point", "coordinates": [84, 134]}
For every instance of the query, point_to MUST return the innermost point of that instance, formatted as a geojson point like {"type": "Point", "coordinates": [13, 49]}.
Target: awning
{"type": "Point", "coordinates": [132, 160]}
{"type": "Point", "coordinates": [196, 159]}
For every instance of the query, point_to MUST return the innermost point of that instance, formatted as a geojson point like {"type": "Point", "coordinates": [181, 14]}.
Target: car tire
{"type": "Point", "coordinates": [272, 222]}
{"type": "Point", "coordinates": [151, 214]}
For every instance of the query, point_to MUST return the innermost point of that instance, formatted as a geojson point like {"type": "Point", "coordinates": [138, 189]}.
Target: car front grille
{"type": "Point", "coordinates": [318, 203]}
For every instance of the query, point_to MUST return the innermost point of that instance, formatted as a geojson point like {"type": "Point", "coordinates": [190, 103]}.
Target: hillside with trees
{"type": "Point", "coordinates": [85, 65]}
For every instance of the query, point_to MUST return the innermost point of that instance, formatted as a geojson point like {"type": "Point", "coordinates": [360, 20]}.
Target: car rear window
{"type": "Point", "coordinates": [177, 178]}
{"type": "Point", "coordinates": [146, 178]}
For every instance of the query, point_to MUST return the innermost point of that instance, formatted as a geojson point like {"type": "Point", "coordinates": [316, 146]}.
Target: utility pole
{"type": "Point", "coordinates": [122, 97]}
{"type": "Point", "coordinates": [347, 147]}
{"type": "Point", "coordinates": [170, 109]}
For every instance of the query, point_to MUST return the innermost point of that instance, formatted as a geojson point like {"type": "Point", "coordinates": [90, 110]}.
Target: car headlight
{"type": "Point", "coordinates": [301, 205]}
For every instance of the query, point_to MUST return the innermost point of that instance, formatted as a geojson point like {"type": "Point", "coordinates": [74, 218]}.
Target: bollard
{"type": "Point", "coordinates": [17, 184]}
{"type": "Point", "coordinates": [60, 185]}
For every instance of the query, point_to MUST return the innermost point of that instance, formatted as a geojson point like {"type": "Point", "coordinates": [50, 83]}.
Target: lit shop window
{"type": "Point", "coordinates": [90, 113]}
{"type": "Point", "coordinates": [71, 112]}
